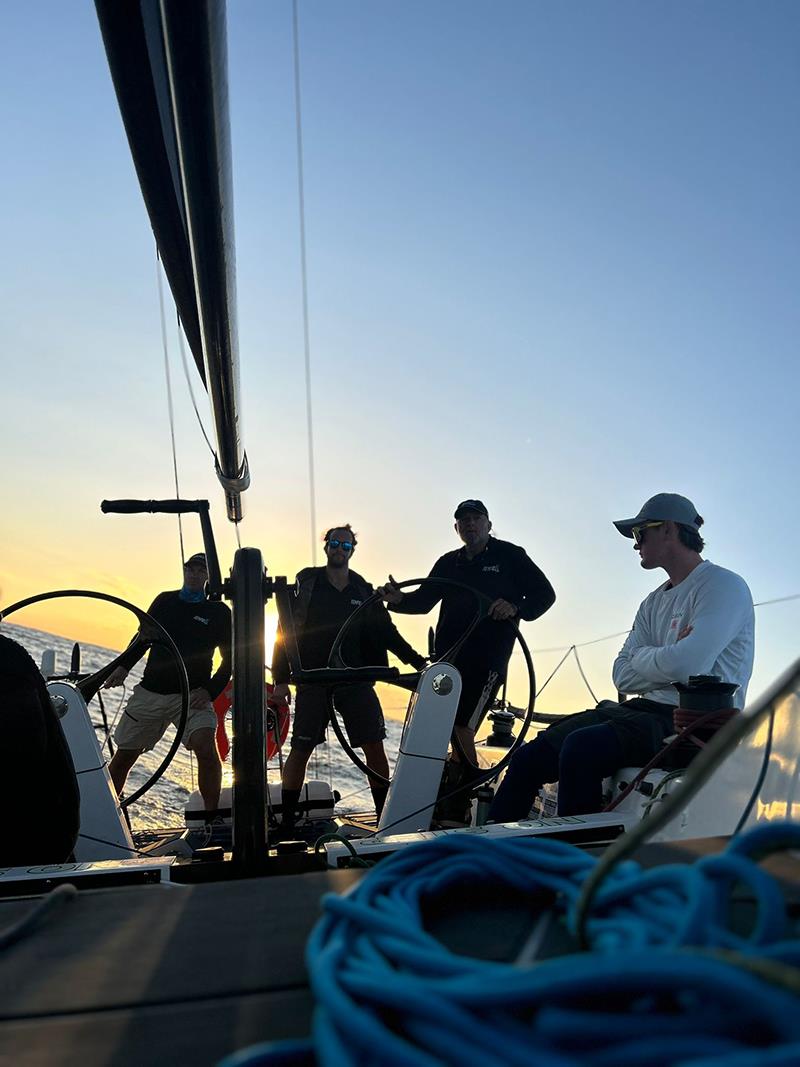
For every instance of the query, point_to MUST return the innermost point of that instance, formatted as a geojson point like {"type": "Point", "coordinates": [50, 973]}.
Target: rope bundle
{"type": "Point", "coordinates": [706, 724]}
{"type": "Point", "coordinates": [668, 981]}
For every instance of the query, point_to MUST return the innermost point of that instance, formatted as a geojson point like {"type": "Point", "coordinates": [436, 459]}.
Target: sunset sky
{"type": "Point", "coordinates": [553, 255]}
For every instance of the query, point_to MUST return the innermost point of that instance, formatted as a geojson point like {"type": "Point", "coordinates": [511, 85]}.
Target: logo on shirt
{"type": "Point", "coordinates": [495, 568]}
{"type": "Point", "coordinates": [199, 618]}
{"type": "Point", "coordinates": [356, 602]}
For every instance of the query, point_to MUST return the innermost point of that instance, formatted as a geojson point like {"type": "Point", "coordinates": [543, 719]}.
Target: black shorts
{"type": "Point", "coordinates": [641, 726]}
{"type": "Point", "coordinates": [358, 706]}
{"type": "Point", "coordinates": [479, 686]}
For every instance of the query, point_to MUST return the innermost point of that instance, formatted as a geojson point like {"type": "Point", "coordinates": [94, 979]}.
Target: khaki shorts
{"type": "Point", "coordinates": [147, 715]}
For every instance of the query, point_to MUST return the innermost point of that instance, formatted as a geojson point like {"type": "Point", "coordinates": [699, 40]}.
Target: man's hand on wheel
{"type": "Point", "coordinates": [502, 609]}
{"type": "Point", "coordinates": [389, 592]}
{"type": "Point", "coordinates": [117, 677]}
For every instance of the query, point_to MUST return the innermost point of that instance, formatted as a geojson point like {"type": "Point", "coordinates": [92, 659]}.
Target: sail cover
{"type": "Point", "coordinates": [168, 61]}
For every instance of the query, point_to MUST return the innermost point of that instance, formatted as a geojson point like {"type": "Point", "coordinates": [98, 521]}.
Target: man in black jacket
{"type": "Point", "coordinates": [517, 590]}
{"type": "Point", "coordinates": [325, 598]}
{"type": "Point", "coordinates": [198, 626]}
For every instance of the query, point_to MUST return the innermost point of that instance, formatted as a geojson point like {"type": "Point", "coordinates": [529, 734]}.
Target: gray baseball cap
{"type": "Point", "coordinates": [659, 508]}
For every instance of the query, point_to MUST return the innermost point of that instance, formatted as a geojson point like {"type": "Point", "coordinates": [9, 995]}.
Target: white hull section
{"type": "Point", "coordinates": [423, 750]}
{"type": "Point", "coordinates": [104, 834]}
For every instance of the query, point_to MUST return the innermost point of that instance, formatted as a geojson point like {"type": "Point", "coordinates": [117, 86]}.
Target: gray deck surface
{"type": "Point", "coordinates": [149, 975]}
{"type": "Point", "coordinates": [155, 975]}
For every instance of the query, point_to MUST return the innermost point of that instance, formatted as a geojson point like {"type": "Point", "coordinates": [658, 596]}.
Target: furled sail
{"type": "Point", "coordinates": [168, 61]}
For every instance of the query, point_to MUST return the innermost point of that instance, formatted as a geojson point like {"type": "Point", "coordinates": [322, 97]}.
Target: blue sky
{"type": "Point", "coordinates": [553, 261]}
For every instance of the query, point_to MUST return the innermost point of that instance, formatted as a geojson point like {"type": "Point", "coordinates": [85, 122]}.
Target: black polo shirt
{"type": "Point", "coordinates": [501, 570]}
{"type": "Point", "coordinates": [197, 630]}
{"type": "Point", "coordinates": [328, 610]}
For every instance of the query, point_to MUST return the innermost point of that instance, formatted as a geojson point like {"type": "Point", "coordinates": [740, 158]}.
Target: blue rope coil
{"type": "Point", "coordinates": [667, 983]}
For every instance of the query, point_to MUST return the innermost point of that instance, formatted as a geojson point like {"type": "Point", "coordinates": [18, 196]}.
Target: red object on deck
{"type": "Point", "coordinates": [277, 721]}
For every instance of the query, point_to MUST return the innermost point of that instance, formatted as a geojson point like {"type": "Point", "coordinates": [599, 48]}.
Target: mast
{"type": "Point", "coordinates": [168, 61]}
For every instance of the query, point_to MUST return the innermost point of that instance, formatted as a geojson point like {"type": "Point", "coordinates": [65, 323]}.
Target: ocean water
{"type": "Point", "coordinates": [164, 804]}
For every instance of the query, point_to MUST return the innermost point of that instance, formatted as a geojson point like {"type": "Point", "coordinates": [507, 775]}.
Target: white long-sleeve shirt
{"type": "Point", "coordinates": [718, 606]}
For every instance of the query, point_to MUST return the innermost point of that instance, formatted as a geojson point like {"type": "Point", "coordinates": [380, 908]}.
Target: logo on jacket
{"type": "Point", "coordinates": [199, 618]}
{"type": "Point", "coordinates": [356, 602]}
{"type": "Point", "coordinates": [495, 568]}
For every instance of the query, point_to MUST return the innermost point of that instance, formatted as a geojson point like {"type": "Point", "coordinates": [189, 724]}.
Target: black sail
{"type": "Point", "coordinates": [168, 61]}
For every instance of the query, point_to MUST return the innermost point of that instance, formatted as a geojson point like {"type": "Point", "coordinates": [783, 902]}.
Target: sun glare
{"type": "Point", "coordinates": [270, 630]}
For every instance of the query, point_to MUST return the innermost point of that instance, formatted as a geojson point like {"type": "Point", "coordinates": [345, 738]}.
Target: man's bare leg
{"type": "Point", "coordinates": [120, 765]}
{"type": "Point", "coordinates": [466, 738]}
{"type": "Point", "coordinates": [375, 759]}
{"type": "Point", "coordinates": [294, 774]}
{"type": "Point", "coordinates": [209, 769]}
{"type": "Point", "coordinates": [294, 769]}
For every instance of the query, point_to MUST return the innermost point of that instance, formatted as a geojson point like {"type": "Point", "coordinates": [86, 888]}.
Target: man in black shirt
{"type": "Point", "coordinates": [198, 626]}
{"type": "Point", "coordinates": [325, 598]}
{"type": "Point", "coordinates": [517, 589]}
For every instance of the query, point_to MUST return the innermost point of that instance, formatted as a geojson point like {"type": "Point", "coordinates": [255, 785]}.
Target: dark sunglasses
{"type": "Point", "coordinates": [639, 531]}
{"type": "Point", "coordinates": [348, 546]}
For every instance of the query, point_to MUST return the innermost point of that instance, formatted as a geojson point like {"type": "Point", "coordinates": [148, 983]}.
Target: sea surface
{"type": "Point", "coordinates": [164, 804]}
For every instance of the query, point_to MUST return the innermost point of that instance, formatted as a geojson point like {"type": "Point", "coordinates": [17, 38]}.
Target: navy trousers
{"type": "Point", "coordinates": [587, 756]}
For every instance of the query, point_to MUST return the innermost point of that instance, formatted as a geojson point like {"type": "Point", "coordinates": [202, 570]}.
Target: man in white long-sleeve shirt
{"type": "Point", "coordinates": [700, 621]}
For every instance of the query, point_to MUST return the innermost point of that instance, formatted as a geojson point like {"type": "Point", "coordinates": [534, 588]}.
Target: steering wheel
{"type": "Point", "coordinates": [89, 686]}
{"type": "Point", "coordinates": [336, 663]}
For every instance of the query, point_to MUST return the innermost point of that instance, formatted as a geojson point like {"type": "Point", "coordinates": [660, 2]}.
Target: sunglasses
{"type": "Point", "coordinates": [637, 531]}
{"type": "Point", "coordinates": [347, 546]}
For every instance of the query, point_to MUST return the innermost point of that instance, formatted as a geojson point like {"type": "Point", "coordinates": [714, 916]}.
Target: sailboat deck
{"type": "Point", "coordinates": [175, 975]}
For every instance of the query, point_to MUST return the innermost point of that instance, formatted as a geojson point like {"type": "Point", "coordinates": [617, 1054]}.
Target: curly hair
{"type": "Point", "coordinates": [341, 526]}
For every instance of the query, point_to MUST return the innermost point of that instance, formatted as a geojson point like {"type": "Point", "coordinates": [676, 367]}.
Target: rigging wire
{"type": "Point", "coordinates": [777, 600]}
{"type": "Point", "coordinates": [581, 644]}
{"type": "Point", "coordinates": [572, 649]}
{"type": "Point", "coordinates": [188, 378]}
{"type": "Point", "coordinates": [304, 276]}
{"type": "Point", "coordinates": [583, 673]}
{"type": "Point", "coordinates": [543, 686]}
{"type": "Point", "coordinates": [623, 633]}
{"type": "Point", "coordinates": [170, 407]}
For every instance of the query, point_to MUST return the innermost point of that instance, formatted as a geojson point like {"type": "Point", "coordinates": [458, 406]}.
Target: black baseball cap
{"type": "Point", "coordinates": [470, 505]}
{"type": "Point", "coordinates": [197, 560]}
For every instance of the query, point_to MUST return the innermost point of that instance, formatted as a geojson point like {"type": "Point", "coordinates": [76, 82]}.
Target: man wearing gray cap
{"type": "Point", "coordinates": [698, 622]}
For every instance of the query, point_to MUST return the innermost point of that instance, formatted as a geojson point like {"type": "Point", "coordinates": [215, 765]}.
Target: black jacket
{"type": "Point", "coordinates": [377, 633]}
{"type": "Point", "coordinates": [502, 570]}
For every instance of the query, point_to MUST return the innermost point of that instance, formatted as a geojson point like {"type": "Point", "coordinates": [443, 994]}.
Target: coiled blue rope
{"type": "Point", "coordinates": [668, 982]}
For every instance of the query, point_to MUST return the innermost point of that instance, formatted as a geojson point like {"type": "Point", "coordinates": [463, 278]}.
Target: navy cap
{"type": "Point", "coordinates": [471, 505]}
{"type": "Point", "coordinates": [197, 560]}
{"type": "Point", "coordinates": [660, 508]}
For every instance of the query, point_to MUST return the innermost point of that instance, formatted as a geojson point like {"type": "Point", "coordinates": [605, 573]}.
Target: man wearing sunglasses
{"type": "Point", "coordinates": [325, 598]}
{"type": "Point", "coordinates": [700, 621]}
